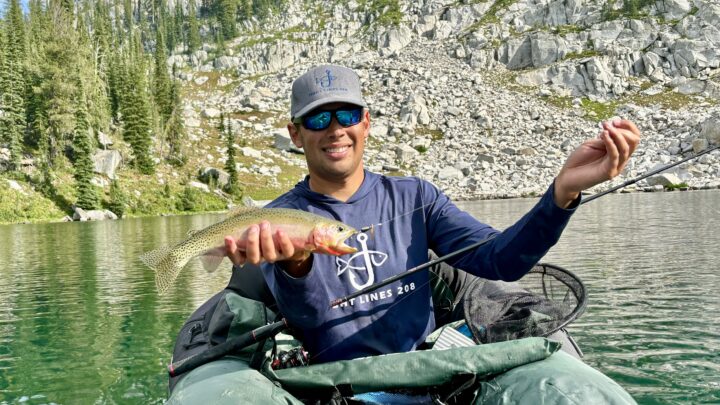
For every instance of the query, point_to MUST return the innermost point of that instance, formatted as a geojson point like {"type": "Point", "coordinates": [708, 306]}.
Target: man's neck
{"type": "Point", "coordinates": [340, 190]}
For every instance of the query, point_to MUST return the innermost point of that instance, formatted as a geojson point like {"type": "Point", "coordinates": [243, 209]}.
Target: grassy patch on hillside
{"type": "Point", "coordinates": [297, 33]}
{"type": "Point", "coordinates": [386, 12]}
{"type": "Point", "coordinates": [580, 55]}
{"type": "Point", "coordinates": [25, 206]}
{"type": "Point", "coordinates": [491, 16]}
{"type": "Point", "coordinates": [435, 134]}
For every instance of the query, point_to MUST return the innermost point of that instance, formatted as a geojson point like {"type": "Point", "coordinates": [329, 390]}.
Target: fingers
{"type": "Point", "coordinates": [262, 245]}
{"type": "Point", "coordinates": [612, 154]}
{"type": "Point", "coordinates": [269, 253]}
{"type": "Point", "coordinates": [233, 253]}
{"type": "Point", "coordinates": [287, 249]}
{"type": "Point", "coordinates": [252, 250]}
{"type": "Point", "coordinates": [621, 141]}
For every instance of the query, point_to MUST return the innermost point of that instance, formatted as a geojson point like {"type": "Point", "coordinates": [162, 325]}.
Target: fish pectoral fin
{"type": "Point", "coordinates": [212, 258]}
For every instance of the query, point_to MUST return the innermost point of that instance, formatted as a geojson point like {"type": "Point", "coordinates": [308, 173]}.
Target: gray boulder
{"type": "Point", "coordinates": [663, 179]}
{"type": "Point", "coordinates": [211, 174]}
{"type": "Point", "coordinates": [710, 129]}
{"type": "Point", "coordinates": [82, 215]}
{"type": "Point", "coordinates": [106, 162]}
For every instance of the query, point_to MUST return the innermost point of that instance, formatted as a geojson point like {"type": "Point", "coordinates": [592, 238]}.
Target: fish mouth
{"type": "Point", "coordinates": [338, 247]}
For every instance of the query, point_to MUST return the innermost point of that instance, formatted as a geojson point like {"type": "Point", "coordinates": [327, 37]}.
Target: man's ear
{"type": "Point", "coordinates": [294, 135]}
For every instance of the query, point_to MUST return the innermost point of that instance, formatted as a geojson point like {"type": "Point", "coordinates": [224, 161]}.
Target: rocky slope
{"type": "Point", "coordinates": [485, 99]}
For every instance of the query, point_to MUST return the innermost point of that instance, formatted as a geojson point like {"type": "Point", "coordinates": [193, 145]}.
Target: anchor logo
{"type": "Point", "coordinates": [325, 81]}
{"type": "Point", "coordinates": [370, 260]}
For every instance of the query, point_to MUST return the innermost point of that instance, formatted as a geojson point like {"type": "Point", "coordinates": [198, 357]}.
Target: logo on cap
{"type": "Point", "coordinates": [325, 81]}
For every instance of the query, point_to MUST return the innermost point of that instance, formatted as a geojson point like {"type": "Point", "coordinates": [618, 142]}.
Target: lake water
{"type": "Point", "coordinates": [80, 321]}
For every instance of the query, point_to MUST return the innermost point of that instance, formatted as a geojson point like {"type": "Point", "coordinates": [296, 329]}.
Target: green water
{"type": "Point", "coordinates": [81, 323]}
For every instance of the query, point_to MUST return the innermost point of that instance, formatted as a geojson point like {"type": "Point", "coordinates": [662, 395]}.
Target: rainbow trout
{"type": "Point", "coordinates": [209, 243]}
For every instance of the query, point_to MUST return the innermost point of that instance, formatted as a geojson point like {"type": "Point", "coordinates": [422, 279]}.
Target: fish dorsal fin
{"type": "Point", "coordinates": [240, 211]}
{"type": "Point", "coordinates": [191, 232]}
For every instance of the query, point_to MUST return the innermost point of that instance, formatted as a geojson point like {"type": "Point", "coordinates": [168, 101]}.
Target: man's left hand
{"type": "Point", "coordinates": [596, 160]}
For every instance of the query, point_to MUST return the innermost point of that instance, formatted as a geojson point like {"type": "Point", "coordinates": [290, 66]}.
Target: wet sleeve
{"type": "Point", "coordinates": [509, 254]}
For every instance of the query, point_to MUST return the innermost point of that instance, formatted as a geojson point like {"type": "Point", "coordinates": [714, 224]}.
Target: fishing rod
{"type": "Point", "coordinates": [229, 346]}
{"type": "Point", "coordinates": [650, 173]}
{"type": "Point", "coordinates": [266, 331]}
{"type": "Point", "coordinates": [475, 245]}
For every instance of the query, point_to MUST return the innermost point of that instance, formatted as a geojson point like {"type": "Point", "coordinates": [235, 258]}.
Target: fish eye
{"type": "Point", "coordinates": [340, 228]}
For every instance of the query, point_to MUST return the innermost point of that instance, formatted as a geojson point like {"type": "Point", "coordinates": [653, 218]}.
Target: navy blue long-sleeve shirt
{"type": "Point", "coordinates": [415, 217]}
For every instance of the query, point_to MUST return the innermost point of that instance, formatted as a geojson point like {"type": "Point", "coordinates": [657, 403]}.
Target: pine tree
{"type": "Point", "coordinates": [12, 82]}
{"type": "Point", "coordinates": [232, 186]}
{"type": "Point", "coordinates": [57, 60]}
{"type": "Point", "coordinates": [169, 29]}
{"type": "Point", "coordinates": [118, 200]}
{"type": "Point", "coordinates": [135, 110]}
{"type": "Point", "coordinates": [226, 14]}
{"type": "Point", "coordinates": [175, 130]}
{"type": "Point", "coordinates": [83, 146]}
{"type": "Point", "coordinates": [193, 33]}
{"type": "Point", "coordinates": [128, 16]}
{"type": "Point", "coordinates": [68, 6]}
{"type": "Point", "coordinates": [102, 37]}
{"type": "Point", "coordinates": [178, 26]}
{"type": "Point", "coordinates": [245, 9]}
{"type": "Point", "coordinates": [163, 84]}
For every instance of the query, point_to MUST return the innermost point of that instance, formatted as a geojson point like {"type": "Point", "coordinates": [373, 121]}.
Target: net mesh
{"type": "Point", "coordinates": [545, 300]}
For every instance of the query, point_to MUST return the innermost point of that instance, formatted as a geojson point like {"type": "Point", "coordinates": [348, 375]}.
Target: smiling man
{"type": "Point", "coordinates": [331, 122]}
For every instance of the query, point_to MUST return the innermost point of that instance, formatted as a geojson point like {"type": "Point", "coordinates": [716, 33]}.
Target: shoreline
{"type": "Point", "coordinates": [261, 203]}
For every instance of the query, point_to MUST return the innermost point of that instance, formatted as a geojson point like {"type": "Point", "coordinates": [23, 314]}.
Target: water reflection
{"type": "Point", "coordinates": [81, 322]}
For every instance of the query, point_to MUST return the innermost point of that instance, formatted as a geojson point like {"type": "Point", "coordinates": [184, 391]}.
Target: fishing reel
{"type": "Point", "coordinates": [291, 358]}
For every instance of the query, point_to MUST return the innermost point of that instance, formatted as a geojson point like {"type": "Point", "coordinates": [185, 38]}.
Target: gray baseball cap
{"type": "Point", "coordinates": [325, 84]}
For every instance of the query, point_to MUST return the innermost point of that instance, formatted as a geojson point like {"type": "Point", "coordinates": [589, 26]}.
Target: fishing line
{"type": "Point", "coordinates": [372, 227]}
{"type": "Point", "coordinates": [274, 328]}
{"type": "Point", "coordinates": [475, 245]}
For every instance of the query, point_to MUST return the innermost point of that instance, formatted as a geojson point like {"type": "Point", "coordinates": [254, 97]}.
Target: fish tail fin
{"type": "Point", "coordinates": [166, 269]}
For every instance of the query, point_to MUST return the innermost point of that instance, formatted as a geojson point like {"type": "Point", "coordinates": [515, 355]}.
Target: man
{"type": "Point", "coordinates": [331, 122]}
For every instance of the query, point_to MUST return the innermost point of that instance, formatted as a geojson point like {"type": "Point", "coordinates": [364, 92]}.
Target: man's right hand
{"type": "Point", "coordinates": [262, 245]}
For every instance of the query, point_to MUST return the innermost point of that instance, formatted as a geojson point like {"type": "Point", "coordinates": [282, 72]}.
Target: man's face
{"type": "Point", "coordinates": [334, 153]}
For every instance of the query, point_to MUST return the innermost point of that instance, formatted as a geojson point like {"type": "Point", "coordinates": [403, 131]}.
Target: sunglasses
{"type": "Point", "coordinates": [320, 120]}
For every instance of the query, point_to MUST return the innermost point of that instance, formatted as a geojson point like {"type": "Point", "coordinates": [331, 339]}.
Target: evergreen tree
{"type": "Point", "coordinates": [118, 200]}
{"type": "Point", "coordinates": [232, 186]}
{"type": "Point", "coordinates": [12, 84]}
{"type": "Point", "coordinates": [193, 33]}
{"type": "Point", "coordinates": [55, 95]}
{"type": "Point", "coordinates": [163, 84]}
{"type": "Point", "coordinates": [68, 6]}
{"type": "Point", "coordinates": [84, 147]}
{"type": "Point", "coordinates": [171, 39]}
{"type": "Point", "coordinates": [245, 9]}
{"type": "Point", "coordinates": [226, 14]}
{"type": "Point", "coordinates": [127, 16]}
{"type": "Point", "coordinates": [102, 37]}
{"type": "Point", "coordinates": [135, 111]}
{"type": "Point", "coordinates": [178, 26]}
{"type": "Point", "coordinates": [175, 129]}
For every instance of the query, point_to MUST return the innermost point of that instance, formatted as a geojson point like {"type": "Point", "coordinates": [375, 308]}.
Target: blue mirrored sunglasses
{"type": "Point", "coordinates": [320, 120]}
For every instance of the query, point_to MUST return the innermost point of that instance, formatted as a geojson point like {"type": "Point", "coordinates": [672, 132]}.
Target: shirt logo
{"type": "Point", "coordinates": [325, 81]}
{"type": "Point", "coordinates": [363, 261]}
